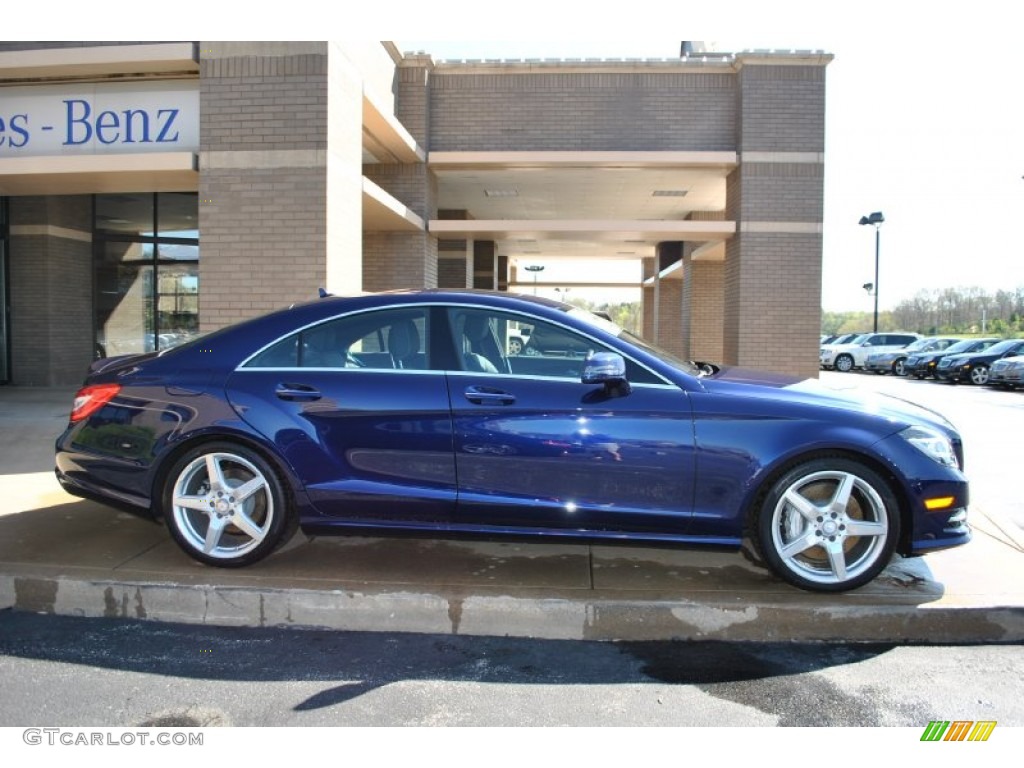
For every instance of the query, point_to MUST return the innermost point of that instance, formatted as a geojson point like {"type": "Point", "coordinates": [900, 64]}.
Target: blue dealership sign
{"type": "Point", "coordinates": [99, 118]}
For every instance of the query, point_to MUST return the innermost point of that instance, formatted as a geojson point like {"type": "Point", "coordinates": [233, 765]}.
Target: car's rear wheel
{"type": "Point", "coordinates": [225, 505]}
{"type": "Point", "coordinates": [979, 375]}
{"type": "Point", "coordinates": [844, 363]}
{"type": "Point", "coordinates": [828, 525]}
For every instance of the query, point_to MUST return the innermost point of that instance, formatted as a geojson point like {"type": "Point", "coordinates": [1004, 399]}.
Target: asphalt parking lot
{"type": "Point", "coordinates": [63, 555]}
{"type": "Point", "coordinates": [990, 420]}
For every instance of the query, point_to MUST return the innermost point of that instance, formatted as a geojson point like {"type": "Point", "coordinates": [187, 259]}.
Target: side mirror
{"type": "Point", "coordinates": [605, 368]}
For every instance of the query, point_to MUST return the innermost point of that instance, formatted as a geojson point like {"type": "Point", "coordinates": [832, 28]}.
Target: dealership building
{"type": "Point", "coordinates": [152, 191]}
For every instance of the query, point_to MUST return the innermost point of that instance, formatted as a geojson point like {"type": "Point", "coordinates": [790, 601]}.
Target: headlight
{"type": "Point", "coordinates": [933, 444]}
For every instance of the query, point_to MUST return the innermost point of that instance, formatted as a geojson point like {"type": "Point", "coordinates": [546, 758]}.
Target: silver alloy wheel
{"type": "Point", "coordinates": [979, 375]}
{"type": "Point", "coordinates": [830, 527]}
{"type": "Point", "coordinates": [844, 363]}
{"type": "Point", "coordinates": [900, 367]}
{"type": "Point", "coordinates": [222, 505]}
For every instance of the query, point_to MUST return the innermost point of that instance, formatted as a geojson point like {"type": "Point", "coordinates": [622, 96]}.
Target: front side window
{"type": "Point", "coordinates": [495, 342]}
{"type": "Point", "coordinates": [394, 339]}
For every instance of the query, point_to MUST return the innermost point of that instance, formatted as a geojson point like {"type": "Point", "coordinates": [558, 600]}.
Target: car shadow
{"type": "Point", "coordinates": [352, 664]}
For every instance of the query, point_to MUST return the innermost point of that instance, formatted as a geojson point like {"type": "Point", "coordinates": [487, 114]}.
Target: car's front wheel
{"type": "Point", "coordinates": [844, 363]}
{"type": "Point", "coordinates": [899, 368]}
{"type": "Point", "coordinates": [979, 375]}
{"type": "Point", "coordinates": [828, 525]}
{"type": "Point", "coordinates": [225, 505]}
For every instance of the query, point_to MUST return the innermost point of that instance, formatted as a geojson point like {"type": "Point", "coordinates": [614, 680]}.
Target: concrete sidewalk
{"type": "Point", "coordinates": [60, 554]}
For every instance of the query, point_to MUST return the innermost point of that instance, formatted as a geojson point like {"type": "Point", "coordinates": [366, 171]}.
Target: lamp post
{"type": "Point", "coordinates": [535, 268]}
{"type": "Point", "coordinates": [875, 219]}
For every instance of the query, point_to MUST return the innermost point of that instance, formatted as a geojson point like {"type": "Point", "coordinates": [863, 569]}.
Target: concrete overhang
{"type": "Point", "coordinates": [442, 161]}
{"type": "Point", "coordinates": [673, 271]}
{"type": "Point", "coordinates": [89, 174]}
{"type": "Point", "coordinates": [385, 138]}
{"type": "Point", "coordinates": [100, 61]}
{"type": "Point", "coordinates": [712, 251]}
{"type": "Point", "coordinates": [383, 213]}
{"type": "Point", "coordinates": [608, 229]}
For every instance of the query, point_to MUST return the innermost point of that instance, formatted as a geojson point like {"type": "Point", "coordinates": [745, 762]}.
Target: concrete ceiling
{"type": "Point", "coordinates": [601, 206]}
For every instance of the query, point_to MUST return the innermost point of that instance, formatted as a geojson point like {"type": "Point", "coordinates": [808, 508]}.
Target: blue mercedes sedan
{"type": "Point", "coordinates": [406, 412]}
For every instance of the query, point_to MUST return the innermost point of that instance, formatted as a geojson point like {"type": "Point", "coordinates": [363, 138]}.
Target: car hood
{"type": "Point", "coordinates": [812, 392]}
{"type": "Point", "coordinates": [961, 359]}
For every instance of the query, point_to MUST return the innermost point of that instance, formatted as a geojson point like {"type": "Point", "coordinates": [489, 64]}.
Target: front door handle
{"type": "Point", "coordinates": [297, 392]}
{"type": "Point", "coordinates": [488, 396]}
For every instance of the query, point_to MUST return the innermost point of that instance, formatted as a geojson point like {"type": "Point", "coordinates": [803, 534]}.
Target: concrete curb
{"type": "Point", "coordinates": [595, 617]}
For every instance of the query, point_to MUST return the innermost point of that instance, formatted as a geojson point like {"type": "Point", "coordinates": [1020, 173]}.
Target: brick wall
{"type": "Point", "coordinates": [781, 108]}
{"type": "Point", "coordinates": [519, 109]}
{"type": "Point", "coordinates": [393, 260]}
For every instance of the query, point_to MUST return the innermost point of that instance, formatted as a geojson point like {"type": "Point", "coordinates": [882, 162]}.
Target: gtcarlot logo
{"type": "Point", "coordinates": [958, 730]}
{"type": "Point", "coordinates": [76, 737]}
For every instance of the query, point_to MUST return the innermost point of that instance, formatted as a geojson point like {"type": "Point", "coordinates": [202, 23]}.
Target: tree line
{"type": "Point", "coordinates": [970, 310]}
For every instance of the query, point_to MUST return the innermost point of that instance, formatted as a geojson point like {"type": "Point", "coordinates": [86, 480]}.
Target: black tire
{"type": "Point", "coordinates": [803, 514]}
{"type": "Point", "coordinates": [248, 528]}
{"type": "Point", "coordinates": [844, 363]}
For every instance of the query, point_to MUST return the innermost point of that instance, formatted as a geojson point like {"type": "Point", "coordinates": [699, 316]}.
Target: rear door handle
{"type": "Point", "coordinates": [488, 396]}
{"type": "Point", "coordinates": [297, 392]}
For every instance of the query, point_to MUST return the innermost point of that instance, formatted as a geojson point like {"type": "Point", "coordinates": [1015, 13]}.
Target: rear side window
{"type": "Point", "coordinates": [393, 339]}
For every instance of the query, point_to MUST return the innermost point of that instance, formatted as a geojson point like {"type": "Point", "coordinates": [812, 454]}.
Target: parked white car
{"type": "Point", "coordinates": [846, 357]}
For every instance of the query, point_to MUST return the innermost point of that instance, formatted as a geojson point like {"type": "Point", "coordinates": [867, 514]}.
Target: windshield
{"type": "Point", "coordinates": [961, 346]}
{"type": "Point", "coordinates": [921, 344]}
{"type": "Point", "coordinates": [1002, 346]}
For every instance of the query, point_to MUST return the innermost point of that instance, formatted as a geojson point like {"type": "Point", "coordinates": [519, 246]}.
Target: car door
{"type": "Point", "coordinates": [535, 448]}
{"type": "Point", "coordinates": [354, 406]}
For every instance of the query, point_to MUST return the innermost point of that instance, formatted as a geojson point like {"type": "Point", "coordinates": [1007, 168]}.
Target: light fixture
{"type": "Point", "coordinates": [874, 219]}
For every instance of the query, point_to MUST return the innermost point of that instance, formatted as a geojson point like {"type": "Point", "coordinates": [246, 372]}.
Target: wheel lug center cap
{"type": "Point", "coordinates": [829, 528]}
{"type": "Point", "coordinates": [222, 506]}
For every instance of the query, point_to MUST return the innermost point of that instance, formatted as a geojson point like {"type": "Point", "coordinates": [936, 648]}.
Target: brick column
{"type": "Point", "coordinates": [648, 268]}
{"type": "Point", "coordinates": [702, 320]}
{"type": "Point", "coordinates": [51, 296]}
{"type": "Point", "coordinates": [772, 274]}
{"type": "Point", "coordinates": [276, 121]}
{"type": "Point", "coordinates": [406, 259]}
{"type": "Point", "coordinates": [669, 333]}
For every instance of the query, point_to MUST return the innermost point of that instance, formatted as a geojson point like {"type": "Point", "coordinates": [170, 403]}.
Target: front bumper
{"type": "Point", "coordinates": [883, 365]}
{"type": "Point", "coordinates": [1008, 377]}
{"type": "Point", "coordinates": [955, 374]}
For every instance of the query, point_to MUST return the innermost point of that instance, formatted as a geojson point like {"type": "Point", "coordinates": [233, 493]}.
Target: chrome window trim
{"type": "Point", "coordinates": [318, 369]}
{"type": "Point", "coordinates": [533, 377]}
{"type": "Point", "coordinates": [353, 313]}
{"type": "Point", "coordinates": [242, 365]}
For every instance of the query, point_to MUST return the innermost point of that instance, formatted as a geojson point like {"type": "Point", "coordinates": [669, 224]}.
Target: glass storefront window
{"type": "Point", "coordinates": [125, 214]}
{"type": "Point", "coordinates": [146, 264]}
{"type": "Point", "coordinates": [5, 346]}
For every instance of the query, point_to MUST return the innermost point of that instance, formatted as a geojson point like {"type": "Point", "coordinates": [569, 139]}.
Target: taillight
{"type": "Point", "coordinates": [90, 399]}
